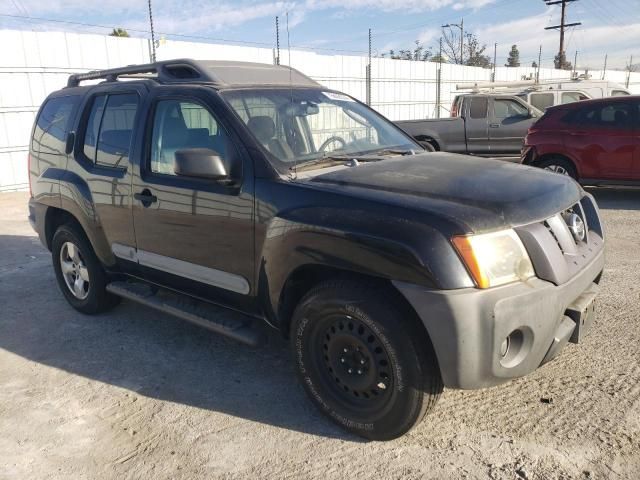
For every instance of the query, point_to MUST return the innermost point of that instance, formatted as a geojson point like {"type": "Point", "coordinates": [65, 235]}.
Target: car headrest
{"type": "Point", "coordinates": [262, 127]}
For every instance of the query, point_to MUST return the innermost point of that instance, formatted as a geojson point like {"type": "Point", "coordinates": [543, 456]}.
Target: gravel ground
{"type": "Point", "coordinates": [136, 394]}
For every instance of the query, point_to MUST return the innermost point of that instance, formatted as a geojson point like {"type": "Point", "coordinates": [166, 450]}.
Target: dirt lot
{"type": "Point", "coordinates": [135, 394]}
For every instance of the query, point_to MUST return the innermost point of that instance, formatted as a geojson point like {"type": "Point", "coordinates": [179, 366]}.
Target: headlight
{"type": "Point", "coordinates": [495, 258]}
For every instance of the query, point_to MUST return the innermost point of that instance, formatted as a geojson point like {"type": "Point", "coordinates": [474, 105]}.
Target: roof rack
{"type": "Point", "coordinates": [169, 71]}
{"type": "Point", "coordinates": [220, 73]}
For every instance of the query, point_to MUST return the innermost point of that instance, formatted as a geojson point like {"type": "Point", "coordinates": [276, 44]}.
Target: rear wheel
{"type": "Point", "coordinates": [559, 165]}
{"type": "Point", "coordinates": [80, 275]}
{"type": "Point", "coordinates": [362, 361]}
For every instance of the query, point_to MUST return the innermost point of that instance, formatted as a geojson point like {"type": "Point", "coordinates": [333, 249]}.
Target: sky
{"type": "Point", "coordinates": [341, 26]}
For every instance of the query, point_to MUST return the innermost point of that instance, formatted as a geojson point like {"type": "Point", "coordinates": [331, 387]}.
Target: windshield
{"type": "Point", "coordinates": [302, 125]}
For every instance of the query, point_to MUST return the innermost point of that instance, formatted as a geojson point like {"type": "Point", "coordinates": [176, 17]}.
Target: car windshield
{"type": "Point", "coordinates": [307, 125]}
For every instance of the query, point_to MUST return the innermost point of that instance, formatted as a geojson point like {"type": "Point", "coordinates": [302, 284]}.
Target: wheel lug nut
{"type": "Point", "coordinates": [342, 360]}
{"type": "Point", "coordinates": [359, 372]}
{"type": "Point", "coordinates": [361, 362]}
{"type": "Point", "coordinates": [345, 350]}
{"type": "Point", "coordinates": [350, 370]}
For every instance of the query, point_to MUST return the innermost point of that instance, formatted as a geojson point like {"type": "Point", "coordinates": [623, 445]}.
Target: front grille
{"type": "Point", "coordinates": [563, 244]}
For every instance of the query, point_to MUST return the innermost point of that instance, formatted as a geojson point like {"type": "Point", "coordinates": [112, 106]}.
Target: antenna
{"type": "Point", "coordinates": [153, 37]}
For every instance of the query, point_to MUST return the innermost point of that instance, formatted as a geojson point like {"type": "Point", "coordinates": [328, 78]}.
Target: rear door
{"type": "Point", "coordinates": [509, 121]}
{"type": "Point", "coordinates": [475, 111]}
{"type": "Point", "coordinates": [603, 140]}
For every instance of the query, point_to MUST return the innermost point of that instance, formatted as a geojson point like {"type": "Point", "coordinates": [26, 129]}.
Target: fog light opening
{"type": "Point", "coordinates": [514, 348]}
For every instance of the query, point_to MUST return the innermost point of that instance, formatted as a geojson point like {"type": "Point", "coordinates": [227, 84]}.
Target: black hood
{"type": "Point", "coordinates": [482, 194]}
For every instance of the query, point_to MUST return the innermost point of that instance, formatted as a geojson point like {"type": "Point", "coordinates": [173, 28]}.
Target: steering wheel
{"type": "Point", "coordinates": [330, 140]}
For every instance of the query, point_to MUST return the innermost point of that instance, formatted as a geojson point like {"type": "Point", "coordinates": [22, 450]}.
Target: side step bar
{"type": "Point", "coordinates": [231, 324]}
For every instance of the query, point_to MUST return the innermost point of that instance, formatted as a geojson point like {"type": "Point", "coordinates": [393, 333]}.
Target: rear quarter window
{"type": "Point", "coordinates": [52, 127]}
{"type": "Point", "coordinates": [541, 101]}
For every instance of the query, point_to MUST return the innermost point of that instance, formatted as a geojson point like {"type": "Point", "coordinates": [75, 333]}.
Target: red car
{"type": "Point", "coordinates": [594, 141]}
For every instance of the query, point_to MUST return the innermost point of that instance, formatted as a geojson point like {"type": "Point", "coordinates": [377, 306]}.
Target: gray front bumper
{"type": "Point", "coordinates": [468, 326]}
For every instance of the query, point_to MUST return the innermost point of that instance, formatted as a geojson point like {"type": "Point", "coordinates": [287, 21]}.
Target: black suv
{"type": "Point", "coordinates": [394, 272]}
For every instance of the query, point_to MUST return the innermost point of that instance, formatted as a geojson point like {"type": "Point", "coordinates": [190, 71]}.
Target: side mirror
{"type": "Point", "coordinates": [199, 162]}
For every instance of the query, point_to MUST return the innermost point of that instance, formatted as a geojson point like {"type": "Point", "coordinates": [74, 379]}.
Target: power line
{"type": "Point", "coordinates": [561, 27]}
{"type": "Point", "coordinates": [178, 35]}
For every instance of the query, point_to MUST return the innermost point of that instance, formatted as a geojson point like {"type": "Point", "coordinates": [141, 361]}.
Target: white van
{"type": "Point", "coordinates": [547, 93]}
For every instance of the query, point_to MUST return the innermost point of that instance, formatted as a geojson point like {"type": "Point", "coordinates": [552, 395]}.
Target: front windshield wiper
{"type": "Point", "coordinates": [329, 161]}
{"type": "Point", "coordinates": [338, 159]}
{"type": "Point", "coordinates": [391, 151]}
{"type": "Point", "coordinates": [320, 161]}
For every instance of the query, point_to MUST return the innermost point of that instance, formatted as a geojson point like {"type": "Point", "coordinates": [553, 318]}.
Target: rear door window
{"type": "Point", "coordinates": [52, 126]}
{"type": "Point", "coordinates": [615, 115]}
{"type": "Point", "coordinates": [110, 127]}
{"type": "Point", "coordinates": [478, 107]}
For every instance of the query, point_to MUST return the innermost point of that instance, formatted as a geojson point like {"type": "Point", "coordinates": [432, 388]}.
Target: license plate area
{"type": "Point", "coordinates": [582, 311]}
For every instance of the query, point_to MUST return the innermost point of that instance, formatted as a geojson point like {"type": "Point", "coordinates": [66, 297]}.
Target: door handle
{"type": "Point", "coordinates": [145, 197]}
{"type": "Point", "coordinates": [577, 133]}
{"type": "Point", "coordinates": [494, 125]}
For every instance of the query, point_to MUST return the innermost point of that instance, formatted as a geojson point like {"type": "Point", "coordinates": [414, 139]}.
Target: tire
{"type": "Point", "coordinates": [365, 363]}
{"type": "Point", "coordinates": [559, 165]}
{"type": "Point", "coordinates": [427, 146]}
{"type": "Point", "coordinates": [73, 258]}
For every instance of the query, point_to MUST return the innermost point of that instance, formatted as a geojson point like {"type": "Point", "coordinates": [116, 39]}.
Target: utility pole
{"type": "Point", "coordinates": [604, 69]}
{"type": "Point", "coordinates": [461, 27]}
{"type": "Point", "coordinates": [575, 63]}
{"type": "Point", "coordinates": [369, 73]}
{"type": "Point", "coordinates": [153, 37]}
{"type": "Point", "coordinates": [277, 42]}
{"type": "Point", "coordinates": [563, 25]}
{"type": "Point", "coordinates": [495, 56]}
{"type": "Point", "coordinates": [539, 60]}
{"type": "Point", "coordinates": [629, 72]}
{"type": "Point", "coordinates": [438, 81]}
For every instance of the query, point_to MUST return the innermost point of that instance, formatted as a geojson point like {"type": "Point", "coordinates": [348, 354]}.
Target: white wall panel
{"type": "Point", "coordinates": [33, 64]}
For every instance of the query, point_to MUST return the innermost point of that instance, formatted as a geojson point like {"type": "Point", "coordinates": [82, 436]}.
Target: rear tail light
{"type": "Point", "coordinates": [29, 173]}
{"type": "Point", "coordinates": [454, 109]}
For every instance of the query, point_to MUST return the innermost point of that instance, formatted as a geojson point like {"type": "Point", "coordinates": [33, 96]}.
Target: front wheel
{"type": "Point", "coordinates": [363, 361]}
{"type": "Point", "coordinates": [560, 166]}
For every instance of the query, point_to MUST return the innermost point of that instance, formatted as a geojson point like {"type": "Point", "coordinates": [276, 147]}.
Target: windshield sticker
{"type": "Point", "coordinates": [338, 96]}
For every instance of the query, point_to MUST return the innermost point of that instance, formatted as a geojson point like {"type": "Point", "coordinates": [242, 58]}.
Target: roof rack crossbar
{"type": "Point", "coordinates": [112, 74]}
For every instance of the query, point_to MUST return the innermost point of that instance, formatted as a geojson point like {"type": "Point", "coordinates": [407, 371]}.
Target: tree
{"type": "Point", "coordinates": [514, 57]}
{"type": "Point", "coordinates": [119, 32]}
{"type": "Point", "coordinates": [472, 50]}
{"type": "Point", "coordinates": [560, 62]}
{"type": "Point", "coordinates": [476, 53]}
{"type": "Point", "coordinates": [418, 53]}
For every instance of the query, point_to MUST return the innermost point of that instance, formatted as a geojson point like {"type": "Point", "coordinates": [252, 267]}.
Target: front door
{"type": "Point", "coordinates": [508, 126]}
{"type": "Point", "coordinates": [193, 234]}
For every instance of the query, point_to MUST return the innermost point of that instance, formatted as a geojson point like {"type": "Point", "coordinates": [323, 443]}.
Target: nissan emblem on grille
{"type": "Point", "coordinates": [576, 227]}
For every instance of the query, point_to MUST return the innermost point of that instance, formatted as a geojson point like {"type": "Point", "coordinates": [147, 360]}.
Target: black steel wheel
{"type": "Point", "coordinates": [364, 361]}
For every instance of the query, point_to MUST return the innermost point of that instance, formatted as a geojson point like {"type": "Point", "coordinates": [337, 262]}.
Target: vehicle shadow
{"type": "Point", "coordinates": [611, 198]}
{"type": "Point", "coordinates": [150, 353]}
